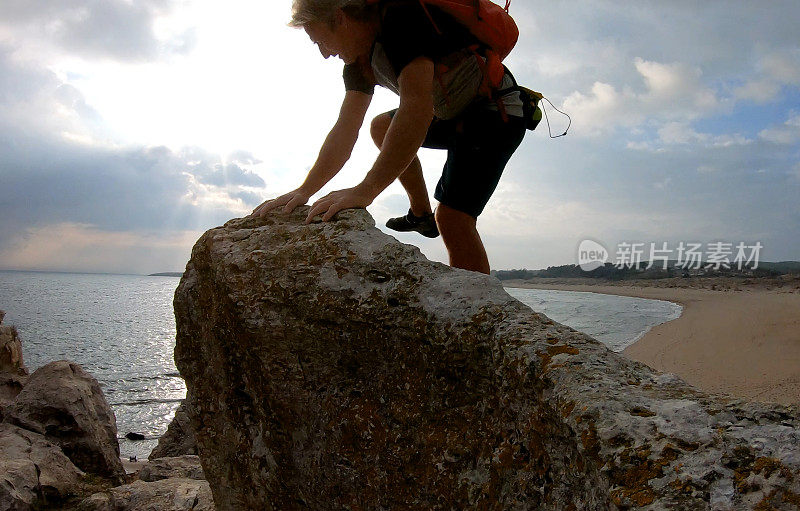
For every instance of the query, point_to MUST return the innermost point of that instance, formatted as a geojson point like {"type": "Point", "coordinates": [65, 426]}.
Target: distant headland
{"type": "Point", "coordinates": [167, 274]}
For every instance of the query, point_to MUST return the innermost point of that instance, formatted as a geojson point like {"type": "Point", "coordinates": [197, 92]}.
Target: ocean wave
{"type": "Point", "coordinates": [164, 376]}
{"type": "Point", "coordinates": [142, 402]}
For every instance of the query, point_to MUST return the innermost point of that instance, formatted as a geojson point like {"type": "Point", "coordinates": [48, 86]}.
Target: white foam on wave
{"type": "Point", "coordinates": [616, 321]}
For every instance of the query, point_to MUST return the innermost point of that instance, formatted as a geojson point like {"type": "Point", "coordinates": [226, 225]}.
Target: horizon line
{"type": "Point", "coordinates": [154, 274]}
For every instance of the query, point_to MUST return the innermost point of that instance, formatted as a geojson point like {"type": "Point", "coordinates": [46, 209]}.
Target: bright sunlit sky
{"type": "Point", "coordinates": [129, 127]}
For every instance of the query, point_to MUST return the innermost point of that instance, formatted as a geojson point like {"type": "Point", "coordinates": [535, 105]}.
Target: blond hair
{"type": "Point", "coordinates": [315, 11]}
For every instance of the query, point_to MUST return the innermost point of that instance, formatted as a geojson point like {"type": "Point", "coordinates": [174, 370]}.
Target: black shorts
{"type": "Point", "coordinates": [479, 144]}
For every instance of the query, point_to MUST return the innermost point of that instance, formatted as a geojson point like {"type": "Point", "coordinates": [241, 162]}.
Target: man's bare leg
{"type": "Point", "coordinates": [460, 235]}
{"type": "Point", "coordinates": [414, 183]}
{"type": "Point", "coordinates": [412, 178]}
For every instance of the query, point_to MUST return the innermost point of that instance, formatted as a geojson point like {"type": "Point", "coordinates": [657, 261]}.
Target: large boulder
{"type": "Point", "coordinates": [332, 367]}
{"type": "Point", "coordinates": [13, 373]}
{"type": "Point", "coordinates": [173, 494]}
{"type": "Point", "coordinates": [34, 474]}
{"type": "Point", "coordinates": [179, 437]}
{"type": "Point", "coordinates": [65, 404]}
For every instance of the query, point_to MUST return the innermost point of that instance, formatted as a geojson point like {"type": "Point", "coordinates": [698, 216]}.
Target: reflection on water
{"type": "Point", "coordinates": [120, 328]}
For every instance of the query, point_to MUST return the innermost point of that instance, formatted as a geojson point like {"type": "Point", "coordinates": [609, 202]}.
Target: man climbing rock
{"type": "Point", "coordinates": [428, 58]}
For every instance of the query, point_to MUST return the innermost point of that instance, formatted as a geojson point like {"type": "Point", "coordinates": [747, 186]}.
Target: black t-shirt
{"type": "Point", "coordinates": [406, 33]}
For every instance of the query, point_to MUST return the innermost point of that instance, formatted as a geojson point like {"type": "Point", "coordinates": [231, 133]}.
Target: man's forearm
{"type": "Point", "coordinates": [403, 139]}
{"type": "Point", "coordinates": [408, 128]}
{"type": "Point", "coordinates": [339, 143]}
{"type": "Point", "coordinates": [335, 152]}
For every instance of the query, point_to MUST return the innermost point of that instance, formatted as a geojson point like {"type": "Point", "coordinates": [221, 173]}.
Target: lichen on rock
{"type": "Point", "coordinates": [332, 367]}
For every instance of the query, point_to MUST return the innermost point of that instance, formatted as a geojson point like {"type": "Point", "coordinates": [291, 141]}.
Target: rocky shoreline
{"type": "Point", "coordinates": [59, 447]}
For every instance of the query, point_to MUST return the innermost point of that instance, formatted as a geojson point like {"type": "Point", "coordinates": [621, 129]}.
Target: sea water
{"type": "Point", "coordinates": [616, 321]}
{"type": "Point", "coordinates": [121, 329]}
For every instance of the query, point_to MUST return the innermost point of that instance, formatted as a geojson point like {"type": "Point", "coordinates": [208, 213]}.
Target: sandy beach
{"type": "Point", "coordinates": [736, 337]}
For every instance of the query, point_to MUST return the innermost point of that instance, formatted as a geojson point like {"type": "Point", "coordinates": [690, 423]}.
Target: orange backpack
{"type": "Point", "coordinates": [487, 21]}
{"type": "Point", "coordinates": [490, 24]}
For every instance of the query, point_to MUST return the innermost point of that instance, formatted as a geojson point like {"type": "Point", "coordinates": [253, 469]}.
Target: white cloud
{"type": "Point", "coordinates": [675, 133]}
{"type": "Point", "coordinates": [672, 82]}
{"type": "Point", "coordinates": [760, 90]}
{"type": "Point", "coordinates": [729, 140]}
{"type": "Point", "coordinates": [785, 134]}
{"type": "Point", "coordinates": [783, 67]}
{"type": "Point", "coordinates": [664, 183]}
{"type": "Point", "coordinates": [640, 146]}
{"type": "Point", "coordinates": [525, 210]}
{"type": "Point", "coordinates": [85, 248]}
{"type": "Point", "coordinates": [598, 111]}
{"type": "Point", "coordinates": [773, 72]}
{"type": "Point", "coordinates": [779, 135]}
{"type": "Point", "coordinates": [108, 29]}
{"type": "Point", "coordinates": [672, 92]}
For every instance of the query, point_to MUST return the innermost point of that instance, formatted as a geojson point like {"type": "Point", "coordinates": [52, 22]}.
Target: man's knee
{"type": "Point", "coordinates": [379, 127]}
{"type": "Point", "coordinates": [453, 221]}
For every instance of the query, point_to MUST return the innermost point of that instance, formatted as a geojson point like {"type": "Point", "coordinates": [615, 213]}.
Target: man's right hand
{"type": "Point", "coordinates": [289, 201]}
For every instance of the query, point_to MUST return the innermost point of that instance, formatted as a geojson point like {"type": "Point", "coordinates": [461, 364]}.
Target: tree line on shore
{"type": "Point", "coordinates": [610, 271]}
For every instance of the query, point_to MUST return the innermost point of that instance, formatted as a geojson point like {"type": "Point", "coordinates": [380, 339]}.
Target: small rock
{"type": "Point", "coordinates": [132, 467]}
{"type": "Point", "coordinates": [187, 467]}
{"type": "Point", "coordinates": [165, 495]}
{"type": "Point", "coordinates": [134, 436]}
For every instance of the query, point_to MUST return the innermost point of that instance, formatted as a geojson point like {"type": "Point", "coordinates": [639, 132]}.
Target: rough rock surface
{"type": "Point", "coordinates": [165, 495]}
{"type": "Point", "coordinates": [10, 387]}
{"type": "Point", "coordinates": [13, 373]}
{"type": "Point", "coordinates": [33, 472]}
{"type": "Point", "coordinates": [332, 367]}
{"type": "Point", "coordinates": [187, 467]}
{"type": "Point", "coordinates": [65, 404]}
{"type": "Point", "coordinates": [179, 438]}
{"type": "Point", "coordinates": [10, 350]}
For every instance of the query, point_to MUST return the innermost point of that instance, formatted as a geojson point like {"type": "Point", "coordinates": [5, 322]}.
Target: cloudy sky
{"type": "Point", "coordinates": [129, 127]}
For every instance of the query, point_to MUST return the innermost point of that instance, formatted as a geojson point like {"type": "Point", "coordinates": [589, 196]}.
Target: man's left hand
{"type": "Point", "coordinates": [334, 202]}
